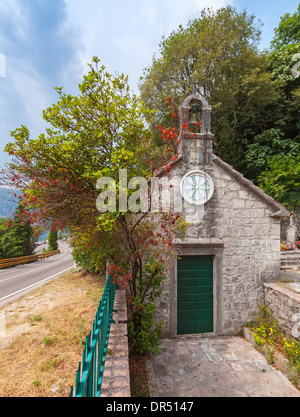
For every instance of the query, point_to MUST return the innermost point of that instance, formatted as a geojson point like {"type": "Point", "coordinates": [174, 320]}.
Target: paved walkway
{"type": "Point", "coordinates": [215, 367]}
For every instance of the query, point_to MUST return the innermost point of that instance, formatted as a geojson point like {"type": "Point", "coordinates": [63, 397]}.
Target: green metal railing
{"type": "Point", "coordinates": [90, 371]}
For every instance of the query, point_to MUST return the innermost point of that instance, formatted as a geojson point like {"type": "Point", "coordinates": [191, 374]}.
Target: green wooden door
{"type": "Point", "coordinates": [194, 294]}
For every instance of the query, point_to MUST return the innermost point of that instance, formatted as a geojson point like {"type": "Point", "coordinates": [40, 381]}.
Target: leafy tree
{"type": "Point", "coordinates": [92, 136]}
{"type": "Point", "coordinates": [284, 59]}
{"type": "Point", "coordinates": [276, 151]}
{"type": "Point", "coordinates": [281, 180]}
{"type": "Point", "coordinates": [282, 63]}
{"type": "Point", "coordinates": [267, 145]}
{"type": "Point", "coordinates": [288, 30]}
{"type": "Point", "coordinates": [18, 239]}
{"type": "Point", "coordinates": [219, 52]}
{"type": "Point", "coordinates": [3, 226]}
{"type": "Point", "coordinates": [52, 240]}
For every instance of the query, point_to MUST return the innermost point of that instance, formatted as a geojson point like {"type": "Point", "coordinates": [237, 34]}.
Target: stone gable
{"type": "Point", "coordinates": [239, 227]}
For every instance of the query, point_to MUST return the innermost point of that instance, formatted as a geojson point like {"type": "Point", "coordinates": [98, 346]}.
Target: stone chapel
{"type": "Point", "coordinates": [232, 243]}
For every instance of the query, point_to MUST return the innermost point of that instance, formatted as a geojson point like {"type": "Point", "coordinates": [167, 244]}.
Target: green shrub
{"type": "Point", "coordinates": [144, 333]}
{"type": "Point", "coordinates": [145, 336]}
{"type": "Point", "coordinates": [265, 331]}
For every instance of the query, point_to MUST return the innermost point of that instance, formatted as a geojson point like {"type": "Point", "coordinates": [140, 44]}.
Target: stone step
{"type": "Point", "coordinates": [290, 258]}
{"type": "Point", "coordinates": [291, 253]}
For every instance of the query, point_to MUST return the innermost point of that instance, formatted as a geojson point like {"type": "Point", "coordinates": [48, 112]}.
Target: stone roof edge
{"type": "Point", "coordinates": [281, 211]}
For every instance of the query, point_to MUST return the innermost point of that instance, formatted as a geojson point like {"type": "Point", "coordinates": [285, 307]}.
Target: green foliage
{"type": "Point", "coordinates": [264, 326]}
{"type": "Point", "coordinates": [282, 63]}
{"type": "Point", "coordinates": [52, 240]}
{"type": "Point", "coordinates": [35, 319]}
{"type": "Point", "coordinates": [273, 157]}
{"type": "Point", "coordinates": [3, 226]}
{"type": "Point", "coordinates": [219, 52]}
{"type": "Point", "coordinates": [143, 331]}
{"type": "Point", "coordinates": [281, 180]}
{"type": "Point", "coordinates": [49, 341]}
{"type": "Point", "coordinates": [146, 334]}
{"type": "Point", "coordinates": [288, 30]}
{"type": "Point", "coordinates": [266, 332]}
{"type": "Point", "coordinates": [94, 247]}
{"type": "Point", "coordinates": [17, 236]}
{"type": "Point", "coordinates": [292, 351]}
{"type": "Point", "coordinates": [255, 95]}
{"type": "Point", "coordinates": [267, 145]}
{"type": "Point", "coordinates": [92, 136]}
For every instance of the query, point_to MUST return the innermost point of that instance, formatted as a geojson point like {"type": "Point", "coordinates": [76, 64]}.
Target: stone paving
{"type": "Point", "coordinates": [215, 367]}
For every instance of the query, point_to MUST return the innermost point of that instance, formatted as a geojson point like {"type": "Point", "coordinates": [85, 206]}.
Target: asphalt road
{"type": "Point", "coordinates": [21, 279]}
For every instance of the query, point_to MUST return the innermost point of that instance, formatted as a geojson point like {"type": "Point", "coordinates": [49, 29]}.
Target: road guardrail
{"type": "Point", "coordinates": [5, 263]}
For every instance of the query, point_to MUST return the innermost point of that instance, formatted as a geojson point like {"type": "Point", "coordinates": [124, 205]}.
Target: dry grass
{"type": "Point", "coordinates": [45, 334]}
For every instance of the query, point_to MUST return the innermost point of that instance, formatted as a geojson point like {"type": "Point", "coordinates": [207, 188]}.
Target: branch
{"type": "Point", "coordinates": [148, 284]}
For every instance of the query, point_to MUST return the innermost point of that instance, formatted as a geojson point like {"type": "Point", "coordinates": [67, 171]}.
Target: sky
{"type": "Point", "coordinates": [48, 43]}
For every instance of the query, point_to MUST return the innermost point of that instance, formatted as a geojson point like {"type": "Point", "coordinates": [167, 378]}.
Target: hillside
{"type": "Point", "coordinates": [8, 202]}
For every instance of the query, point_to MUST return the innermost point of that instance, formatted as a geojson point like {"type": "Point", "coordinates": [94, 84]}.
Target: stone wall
{"type": "Point", "coordinates": [116, 378]}
{"type": "Point", "coordinates": [237, 229]}
{"type": "Point", "coordinates": [251, 253]}
{"type": "Point", "coordinates": [283, 304]}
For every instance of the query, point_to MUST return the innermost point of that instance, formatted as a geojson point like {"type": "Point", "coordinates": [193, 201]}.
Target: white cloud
{"type": "Point", "coordinates": [13, 11]}
{"type": "Point", "coordinates": [33, 94]}
{"type": "Point", "coordinates": [126, 34]}
{"type": "Point", "coordinates": [48, 44]}
{"type": "Point", "coordinates": [38, 54]}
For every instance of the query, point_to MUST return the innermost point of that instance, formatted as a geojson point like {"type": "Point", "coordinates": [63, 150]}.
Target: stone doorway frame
{"type": "Point", "coordinates": [214, 248]}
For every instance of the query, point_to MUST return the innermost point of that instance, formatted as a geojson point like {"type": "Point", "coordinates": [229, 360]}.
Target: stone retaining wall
{"type": "Point", "coordinates": [278, 359]}
{"type": "Point", "coordinates": [116, 378]}
{"type": "Point", "coordinates": [290, 260]}
{"type": "Point", "coordinates": [283, 304]}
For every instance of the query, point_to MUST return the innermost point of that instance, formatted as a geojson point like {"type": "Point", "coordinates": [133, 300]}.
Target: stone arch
{"type": "Point", "coordinates": [206, 113]}
{"type": "Point", "coordinates": [196, 98]}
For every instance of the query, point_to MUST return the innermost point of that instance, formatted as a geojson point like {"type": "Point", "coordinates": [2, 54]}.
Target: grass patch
{"type": "Point", "coordinates": [34, 320]}
{"type": "Point", "coordinates": [45, 334]}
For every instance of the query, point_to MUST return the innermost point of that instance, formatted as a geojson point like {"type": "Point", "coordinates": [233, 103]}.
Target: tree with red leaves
{"type": "Point", "coordinates": [93, 136]}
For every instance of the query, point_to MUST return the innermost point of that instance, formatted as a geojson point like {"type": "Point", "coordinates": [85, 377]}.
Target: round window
{"type": "Point", "coordinates": [197, 187]}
